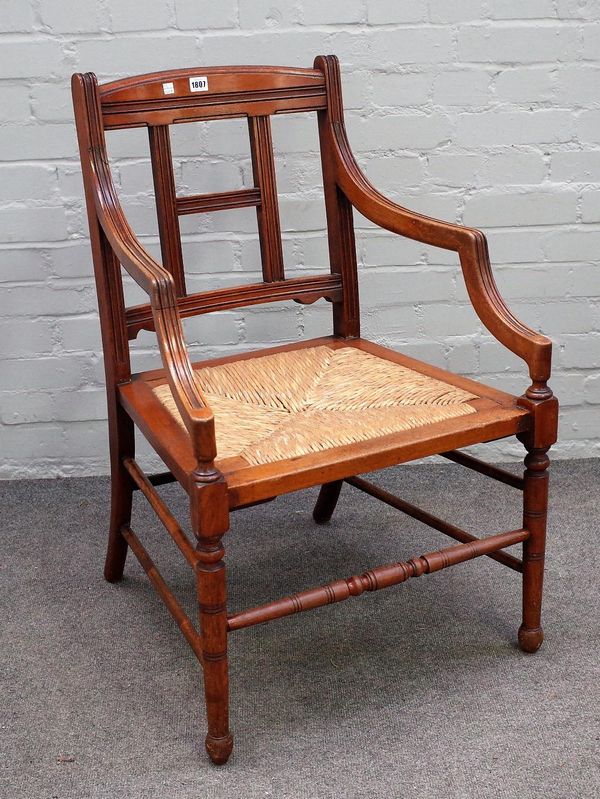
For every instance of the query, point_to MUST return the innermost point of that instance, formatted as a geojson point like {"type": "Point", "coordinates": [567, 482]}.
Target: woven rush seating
{"type": "Point", "coordinates": [300, 401]}
{"type": "Point", "coordinates": [327, 404]}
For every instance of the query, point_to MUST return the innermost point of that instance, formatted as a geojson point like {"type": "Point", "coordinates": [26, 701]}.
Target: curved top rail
{"type": "Point", "coordinates": [221, 80]}
{"type": "Point", "coordinates": [208, 92]}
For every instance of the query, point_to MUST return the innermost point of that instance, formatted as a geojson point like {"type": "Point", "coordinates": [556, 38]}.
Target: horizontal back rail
{"type": "Point", "coordinates": [217, 201]}
{"type": "Point", "coordinates": [162, 98]}
{"type": "Point", "coordinates": [302, 289]}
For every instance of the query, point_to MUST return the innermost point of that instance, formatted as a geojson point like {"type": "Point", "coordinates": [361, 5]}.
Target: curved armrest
{"type": "Point", "coordinates": [470, 244]}
{"type": "Point", "coordinates": [158, 284]}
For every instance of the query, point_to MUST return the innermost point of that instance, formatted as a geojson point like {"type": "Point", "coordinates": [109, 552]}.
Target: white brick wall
{"type": "Point", "coordinates": [481, 111]}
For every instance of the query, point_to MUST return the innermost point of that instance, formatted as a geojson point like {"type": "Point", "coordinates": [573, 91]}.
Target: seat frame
{"type": "Point", "coordinates": [157, 101]}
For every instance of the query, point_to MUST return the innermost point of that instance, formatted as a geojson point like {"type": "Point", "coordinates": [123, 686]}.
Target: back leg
{"type": "Point", "coordinates": [326, 501]}
{"type": "Point", "coordinates": [121, 485]}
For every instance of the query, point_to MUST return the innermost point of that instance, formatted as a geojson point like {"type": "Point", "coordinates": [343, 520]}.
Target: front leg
{"type": "Point", "coordinates": [535, 509]}
{"type": "Point", "coordinates": [210, 517]}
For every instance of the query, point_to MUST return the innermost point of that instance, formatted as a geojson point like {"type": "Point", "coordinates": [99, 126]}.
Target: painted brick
{"type": "Point", "coordinates": [38, 224]}
{"type": "Point", "coordinates": [459, 11]}
{"type": "Point", "coordinates": [580, 166]}
{"type": "Point", "coordinates": [578, 9]}
{"type": "Point", "coordinates": [524, 85]}
{"type": "Point", "coordinates": [32, 443]}
{"type": "Point", "coordinates": [449, 320]}
{"type": "Point", "coordinates": [79, 333]}
{"type": "Point", "coordinates": [591, 389]}
{"type": "Point", "coordinates": [590, 210]}
{"type": "Point", "coordinates": [492, 209]}
{"type": "Point", "coordinates": [28, 59]}
{"type": "Point", "coordinates": [17, 16]}
{"type": "Point", "coordinates": [205, 16]}
{"type": "Point", "coordinates": [20, 142]}
{"type": "Point", "coordinates": [132, 55]}
{"type": "Point", "coordinates": [588, 126]}
{"type": "Point", "coordinates": [268, 13]}
{"type": "Point", "coordinates": [337, 12]}
{"type": "Point", "coordinates": [293, 48]}
{"type": "Point", "coordinates": [466, 88]}
{"type": "Point", "coordinates": [412, 46]}
{"type": "Point", "coordinates": [43, 373]}
{"type": "Point", "coordinates": [81, 17]}
{"type": "Point", "coordinates": [131, 17]}
{"type": "Point", "coordinates": [525, 43]}
{"type": "Point", "coordinates": [456, 170]}
{"type": "Point", "coordinates": [580, 352]}
{"type": "Point", "coordinates": [395, 173]}
{"type": "Point", "coordinates": [563, 244]}
{"type": "Point", "coordinates": [401, 89]}
{"type": "Point", "coordinates": [26, 336]}
{"type": "Point", "coordinates": [462, 356]}
{"type": "Point", "coordinates": [514, 127]}
{"type": "Point", "coordinates": [515, 168]}
{"type": "Point", "coordinates": [52, 102]}
{"type": "Point", "coordinates": [407, 287]}
{"type": "Point", "coordinates": [400, 132]}
{"type": "Point", "coordinates": [513, 9]}
{"type": "Point", "coordinates": [579, 85]}
{"type": "Point", "coordinates": [41, 301]}
{"type": "Point", "coordinates": [387, 12]}
{"type": "Point", "coordinates": [26, 181]}
{"type": "Point", "coordinates": [23, 264]}
{"type": "Point", "coordinates": [90, 405]}
{"type": "Point", "coordinates": [591, 41]}
{"type": "Point", "coordinates": [26, 407]}
{"type": "Point", "coordinates": [15, 104]}
{"type": "Point", "coordinates": [579, 423]}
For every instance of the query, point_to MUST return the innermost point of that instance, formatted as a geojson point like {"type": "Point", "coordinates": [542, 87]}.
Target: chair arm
{"type": "Point", "coordinates": [158, 283]}
{"type": "Point", "coordinates": [471, 246]}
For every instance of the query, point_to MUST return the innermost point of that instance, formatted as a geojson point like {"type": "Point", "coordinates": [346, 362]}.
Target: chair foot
{"type": "Point", "coordinates": [530, 640]}
{"type": "Point", "coordinates": [113, 570]}
{"type": "Point", "coordinates": [116, 554]}
{"type": "Point", "coordinates": [219, 749]}
{"type": "Point", "coordinates": [326, 502]}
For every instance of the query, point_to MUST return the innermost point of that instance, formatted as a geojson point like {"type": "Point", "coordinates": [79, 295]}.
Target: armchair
{"type": "Point", "coordinates": [247, 428]}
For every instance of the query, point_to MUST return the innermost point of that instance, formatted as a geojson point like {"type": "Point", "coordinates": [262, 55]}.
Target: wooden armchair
{"type": "Point", "coordinates": [247, 428]}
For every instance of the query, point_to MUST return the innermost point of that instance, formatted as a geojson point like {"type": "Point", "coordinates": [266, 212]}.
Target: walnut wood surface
{"type": "Point", "coordinates": [216, 486]}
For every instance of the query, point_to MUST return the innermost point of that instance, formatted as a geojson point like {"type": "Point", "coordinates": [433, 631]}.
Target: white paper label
{"type": "Point", "coordinates": [199, 84]}
{"type": "Point", "coordinates": [168, 88]}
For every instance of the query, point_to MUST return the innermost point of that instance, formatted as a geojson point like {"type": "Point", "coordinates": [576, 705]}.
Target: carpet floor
{"type": "Point", "coordinates": [417, 692]}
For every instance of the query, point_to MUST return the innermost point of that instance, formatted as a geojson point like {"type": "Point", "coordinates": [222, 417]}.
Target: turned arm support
{"type": "Point", "coordinates": [470, 244]}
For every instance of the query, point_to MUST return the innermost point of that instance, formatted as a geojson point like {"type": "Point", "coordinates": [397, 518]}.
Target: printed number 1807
{"type": "Point", "coordinates": [199, 84]}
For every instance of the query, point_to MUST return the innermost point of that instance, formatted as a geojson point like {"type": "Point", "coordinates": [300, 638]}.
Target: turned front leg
{"type": "Point", "coordinates": [211, 521]}
{"type": "Point", "coordinates": [535, 508]}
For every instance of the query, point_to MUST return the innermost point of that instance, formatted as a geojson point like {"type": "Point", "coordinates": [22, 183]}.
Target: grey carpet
{"type": "Point", "coordinates": [416, 692]}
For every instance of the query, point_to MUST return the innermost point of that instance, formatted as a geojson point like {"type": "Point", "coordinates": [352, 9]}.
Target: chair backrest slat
{"type": "Point", "coordinates": [302, 289]}
{"type": "Point", "coordinates": [217, 201]}
{"type": "Point", "coordinates": [263, 169]}
{"type": "Point", "coordinates": [166, 204]}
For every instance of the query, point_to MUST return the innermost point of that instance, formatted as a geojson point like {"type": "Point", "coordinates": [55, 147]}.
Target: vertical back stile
{"type": "Point", "coordinates": [340, 221]}
{"type": "Point", "coordinates": [166, 204]}
{"type": "Point", "coordinates": [263, 168]}
{"type": "Point", "coordinates": [107, 269]}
